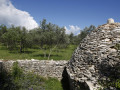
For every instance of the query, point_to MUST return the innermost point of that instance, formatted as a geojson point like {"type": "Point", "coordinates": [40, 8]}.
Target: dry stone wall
{"type": "Point", "coordinates": [90, 61]}
{"type": "Point", "coordinates": [45, 68]}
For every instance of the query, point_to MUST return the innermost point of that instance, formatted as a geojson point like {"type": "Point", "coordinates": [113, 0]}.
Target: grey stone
{"type": "Point", "coordinates": [45, 68]}
{"type": "Point", "coordinates": [93, 56]}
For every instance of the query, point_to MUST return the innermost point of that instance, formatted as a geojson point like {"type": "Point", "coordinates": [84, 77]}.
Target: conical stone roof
{"type": "Point", "coordinates": [93, 56]}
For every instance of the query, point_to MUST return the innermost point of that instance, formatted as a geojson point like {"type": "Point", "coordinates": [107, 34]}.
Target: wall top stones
{"type": "Point", "coordinates": [45, 68]}
{"type": "Point", "coordinates": [110, 20]}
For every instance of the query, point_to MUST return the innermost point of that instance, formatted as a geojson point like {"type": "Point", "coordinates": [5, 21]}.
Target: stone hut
{"type": "Point", "coordinates": [93, 56]}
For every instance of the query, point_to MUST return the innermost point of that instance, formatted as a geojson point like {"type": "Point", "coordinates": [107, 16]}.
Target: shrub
{"type": "Point", "coordinates": [16, 70]}
{"type": "Point", "coordinates": [17, 80]}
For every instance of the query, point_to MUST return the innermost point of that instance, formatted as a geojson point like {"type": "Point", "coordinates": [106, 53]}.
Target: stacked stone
{"type": "Point", "coordinates": [45, 68]}
{"type": "Point", "coordinates": [93, 55]}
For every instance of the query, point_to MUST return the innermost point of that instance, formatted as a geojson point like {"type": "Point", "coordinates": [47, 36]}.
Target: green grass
{"type": "Point", "coordinates": [29, 81]}
{"type": "Point", "coordinates": [57, 54]}
{"type": "Point", "coordinates": [53, 84]}
{"type": "Point", "coordinates": [17, 80]}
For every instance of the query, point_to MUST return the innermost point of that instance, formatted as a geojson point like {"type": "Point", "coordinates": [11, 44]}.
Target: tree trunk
{"type": "Point", "coordinates": [49, 54]}
{"type": "Point", "coordinates": [44, 53]}
{"type": "Point", "coordinates": [51, 51]}
{"type": "Point", "coordinates": [7, 45]}
{"type": "Point", "coordinates": [20, 47]}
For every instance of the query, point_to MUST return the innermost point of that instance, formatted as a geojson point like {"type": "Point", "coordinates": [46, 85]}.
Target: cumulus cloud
{"type": "Point", "coordinates": [9, 15]}
{"type": "Point", "coordinates": [74, 29]}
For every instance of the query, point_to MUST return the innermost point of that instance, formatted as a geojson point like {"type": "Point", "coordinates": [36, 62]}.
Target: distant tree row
{"type": "Point", "coordinates": [46, 36]}
{"type": "Point", "coordinates": [83, 33]}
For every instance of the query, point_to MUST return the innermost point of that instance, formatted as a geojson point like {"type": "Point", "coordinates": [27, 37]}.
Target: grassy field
{"type": "Point", "coordinates": [57, 54]}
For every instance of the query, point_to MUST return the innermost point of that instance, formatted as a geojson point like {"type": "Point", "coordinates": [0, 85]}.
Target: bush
{"type": "Point", "coordinates": [17, 80]}
{"type": "Point", "coordinates": [16, 70]}
{"type": "Point", "coordinates": [113, 79]}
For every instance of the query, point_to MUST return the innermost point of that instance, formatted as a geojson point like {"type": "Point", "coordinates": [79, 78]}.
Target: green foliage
{"type": "Point", "coordinates": [53, 84]}
{"type": "Point", "coordinates": [108, 84]}
{"type": "Point", "coordinates": [16, 70]}
{"type": "Point", "coordinates": [83, 33]}
{"type": "Point", "coordinates": [50, 41]}
{"type": "Point", "coordinates": [16, 37]}
{"type": "Point", "coordinates": [113, 79]}
{"type": "Point", "coordinates": [49, 36]}
{"type": "Point", "coordinates": [71, 37]}
{"type": "Point", "coordinates": [117, 46]}
{"type": "Point", "coordinates": [29, 81]}
{"type": "Point", "coordinates": [10, 38]}
{"type": "Point", "coordinates": [17, 80]}
{"type": "Point", "coordinates": [3, 29]}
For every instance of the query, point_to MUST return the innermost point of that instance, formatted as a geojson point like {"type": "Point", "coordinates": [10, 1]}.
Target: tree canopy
{"type": "Point", "coordinates": [46, 36]}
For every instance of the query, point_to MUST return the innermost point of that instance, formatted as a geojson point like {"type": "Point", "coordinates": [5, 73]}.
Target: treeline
{"type": "Point", "coordinates": [46, 36]}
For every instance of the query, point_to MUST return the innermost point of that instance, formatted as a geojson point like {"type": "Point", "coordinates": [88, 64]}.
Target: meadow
{"type": "Point", "coordinates": [36, 53]}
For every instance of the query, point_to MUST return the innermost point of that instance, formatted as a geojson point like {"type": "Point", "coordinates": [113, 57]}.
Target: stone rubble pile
{"type": "Point", "coordinates": [93, 55]}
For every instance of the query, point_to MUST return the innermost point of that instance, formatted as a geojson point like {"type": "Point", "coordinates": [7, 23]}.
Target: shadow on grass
{"type": "Point", "coordinates": [25, 52]}
{"type": "Point", "coordinates": [3, 48]}
{"type": "Point", "coordinates": [42, 55]}
{"type": "Point", "coordinates": [58, 51]}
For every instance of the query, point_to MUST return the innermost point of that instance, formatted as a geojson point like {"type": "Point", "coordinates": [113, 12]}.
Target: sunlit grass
{"type": "Point", "coordinates": [57, 54]}
{"type": "Point", "coordinates": [53, 84]}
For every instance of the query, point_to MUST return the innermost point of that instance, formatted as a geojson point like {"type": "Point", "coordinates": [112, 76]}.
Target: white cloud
{"type": "Point", "coordinates": [10, 15]}
{"type": "Point", "coordinates": [74, 29]}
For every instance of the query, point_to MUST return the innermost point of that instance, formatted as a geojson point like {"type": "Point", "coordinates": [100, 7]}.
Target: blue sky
{"type": "Point", "coordinates": [71, 12]}
{"type": "Point", "coordinates": [68, 13]}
